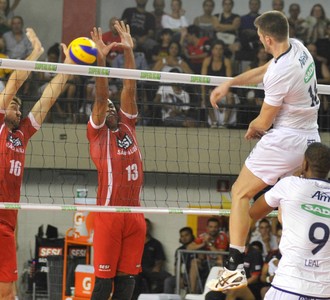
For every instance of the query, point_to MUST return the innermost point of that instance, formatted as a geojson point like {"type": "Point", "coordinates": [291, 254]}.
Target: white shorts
{"type": "Point", "coordinates": [279, 153]}
{"type": "Point", "coordinates": [275, 294]}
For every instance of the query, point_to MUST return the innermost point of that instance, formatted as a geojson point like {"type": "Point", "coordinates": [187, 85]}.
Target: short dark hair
{"type": "Point", "coordinates": [193, 29]}
{"type": "Point", "coordinates": [213, 219]}
{"type": "Point", "coordinates": [186, 229]}
{"type": "Point", "coordinates": [17, 100]}
{"type": "Point", "coordinates": [273, 23]}
{"type": "Point", "coordinates": [318, 157]}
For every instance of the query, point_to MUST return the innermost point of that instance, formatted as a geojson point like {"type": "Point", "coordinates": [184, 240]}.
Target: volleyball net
{"type": "Point", "coordinates": [190, 160]}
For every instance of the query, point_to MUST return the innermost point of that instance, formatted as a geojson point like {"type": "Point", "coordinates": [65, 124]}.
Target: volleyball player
{"type": "Point", "coordinates": [290, 106]}
{"type": "Point", "coordinates": [303, 271]}
{"type": "Point", "coordinates": [118, 237]}
{"type": "Point", "coordinates": [14, 136]}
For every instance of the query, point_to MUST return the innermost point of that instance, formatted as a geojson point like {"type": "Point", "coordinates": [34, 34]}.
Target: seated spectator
{"type": "Point", "coordinates": [296, 21]}
{"type": "Point", "coordinates": [142, 25]}
{"type": "Point", "coordinates": [160, 51]}
{"type": "Point", "coordinates": [186, 237]}
{"type": "Point", "coordinates": [4, 73]}
{"type": "Point", "coordinates": [207, 22]}
{"type": "Point", "coordinates": [212, 240]}
{"type": "Point", "coordinates": [278, 5]}
{"type": "Point", "coordinates": [195, 48]}
{"type": "Point", "coordinates": [248, 35]}
{"type": "Point", "coordinates": [265, 236]}
{"type": "Point", "coordinates": [176, 20]}
{"type": "Point", "coordinates": [111, 36]}
{"type": "Point", "coordinates": [175, 104]}
{"type": "Point", "coordinates": [153, 265]}
{"type": "Point", "coordinates": [216, 65]}
{"type": "Point", "coordinates": [270, 265]}
{"type": "Point", "coordinates": [64, 107]}
{"type": "Point", "coordinates": [159, 6]}
{"type": "Point", "coordinates": [323, 45]}
{"type": "Point", "coordinates": [17, 44]}
{"type": "Point", "coordinates": [5, 17]}
{"type": "Point", "coordinates": [172, 60]}
{"type": "Point", "coordinates": [316, 24]}
{"type": "Point", "coordinates": [228, 26]}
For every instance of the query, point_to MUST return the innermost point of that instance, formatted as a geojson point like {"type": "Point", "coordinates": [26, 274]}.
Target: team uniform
{"type": "Point", "coordinates": [303, 271]}
{"type": "Point", "coordinates": [12, 156]}
{"type": "Point", "coordinates": [118, 238]}
{"type": "Point", "coordinates": [289, 82]}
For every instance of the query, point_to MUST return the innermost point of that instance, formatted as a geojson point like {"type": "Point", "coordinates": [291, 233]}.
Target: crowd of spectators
{"type": "Point", "coordinates": [216, 44]}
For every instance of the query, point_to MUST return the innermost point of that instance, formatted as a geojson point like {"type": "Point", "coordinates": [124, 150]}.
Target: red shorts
{"type": "Point", "coordinates": [8, 260]}
{"type": "Point", "coordinates": [118, 243]}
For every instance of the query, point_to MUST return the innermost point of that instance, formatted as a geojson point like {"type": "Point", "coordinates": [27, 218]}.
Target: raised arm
{"type": "Point", "coordinates": [18, 77]}
{"type": "Point", "coordinates": [100, 106]}
{"type": "Point", "coordinates": [52, 91]}
{"type": "Point", "coordinates": [254, 76]}
{"type": "Point", "coordinates": [128, 94]}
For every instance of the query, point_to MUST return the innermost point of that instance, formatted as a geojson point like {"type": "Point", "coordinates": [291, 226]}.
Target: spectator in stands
{"type": "Point", "coordinates": [195, 48]}
{"type": "Point", "coordinates": [265, 236]}
{"type": "Point", "coordinates": [323, 45]}
{"type": "Point", "coordinates": [278, 5]}
{"type": "Point", "coordinates": [323, 77]}
{"type": "Point", "coordinates": [248, 35]}
{"type": "Point", "coordinates": [207, 21]}
{"type": "Point", "coordinates": [172, 60]}
{"type": "Point", "coordinates": [296, 21]}
{"type": "Point", "coordinates": [228, 26]}
{"type": "Point", "coordinates": [175, 105]}
{"type": "Point", "coordinates": [153, 264]}
{"type": "Point", "coordinates": [110, 37]}
{"type": "Point", "coordinates": [4, 73]}
{"type": "Point", "coordinates": [186, 237]}
{"type": "Point", "coordinates": [216, 65]}
{"type": "Point", "coordinates": [142, 25]}
{"type": "Point", "coordinates": [160, 51]}
{"type": "Point", "coordinates": [17, 44]}
{"type": "Point", "coordinates": [65, 109]}
{"type": "Point", "coordinates": [176, 20]}
{"type": "Point", "coordinates": [316, 24]}
{"type": "Point", "coordinates": [212, 240]}
{"type": "Point", "coordinates": [159, 6]}
{"type": "Point", "coordinates": [270, 265]}
{"type": "Point", "coordinates": [4, 17]}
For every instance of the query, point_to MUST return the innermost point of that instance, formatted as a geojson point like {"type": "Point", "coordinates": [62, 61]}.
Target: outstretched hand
{"type": "Point", "coordinates": [102, 49]}
{"type": "Point", "coordinates": [34, 40]}
{"type": "Point", "coordinates": [67, 59]}
{"type": "Point", "coordinates": [125, 35]}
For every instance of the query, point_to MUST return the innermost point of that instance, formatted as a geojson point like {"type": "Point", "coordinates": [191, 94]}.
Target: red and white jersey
{"type": "Point", "coordinates": [12, 157]}
{"type": "Point", "coordinates": [305, 245]}
{"type": "Point", "coordinates": [290, 82]}
{"type": "Point", "coordinates": [118, 160]}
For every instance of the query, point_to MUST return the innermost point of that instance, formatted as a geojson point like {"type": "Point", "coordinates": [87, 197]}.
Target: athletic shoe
{"type": "Point", "coordinates": [228, 280]}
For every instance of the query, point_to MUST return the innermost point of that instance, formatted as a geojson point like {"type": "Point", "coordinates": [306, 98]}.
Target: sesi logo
{"type": "Point", "coordinates": [46, 251]}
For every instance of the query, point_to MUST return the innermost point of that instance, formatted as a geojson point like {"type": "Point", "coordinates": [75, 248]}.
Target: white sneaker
{"type": "Point", "coordinates": [228, 280]}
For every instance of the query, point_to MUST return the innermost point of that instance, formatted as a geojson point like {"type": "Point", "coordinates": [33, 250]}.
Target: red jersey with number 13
{"type": "Point", "coordinates": [117, 158]}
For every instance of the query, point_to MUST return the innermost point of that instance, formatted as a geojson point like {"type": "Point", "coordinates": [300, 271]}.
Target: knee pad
{"type": "Point", "coordinates": [102, 288]}
{"type": "Point", "coordinates": [123, 287]}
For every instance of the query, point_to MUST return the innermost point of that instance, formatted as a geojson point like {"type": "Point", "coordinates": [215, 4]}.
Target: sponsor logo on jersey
{"type": "Point", "coordinates": [317, 210]}
{"type": "Point", "coordinates": [104, 268]}
{"type": "Point", "coordinates": [15, 142]}
{"type": "Point", "coordinates": [321, 196]}
{"type": "Point", "coordinates": [125, 142]}
{"type": "Point", "coordinates": [309, 73]}
{"type": "Point", "coordinates": [303, 58]}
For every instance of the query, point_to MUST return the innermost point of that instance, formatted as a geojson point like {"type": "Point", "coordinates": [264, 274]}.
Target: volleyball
{"type": "Point", "coordinates": [83, 51]}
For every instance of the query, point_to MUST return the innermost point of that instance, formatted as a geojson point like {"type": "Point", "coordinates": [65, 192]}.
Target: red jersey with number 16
{"type": "Point", "coordinates": [117, 158]}
{"type": "Point", "coordinates": [12, 157]}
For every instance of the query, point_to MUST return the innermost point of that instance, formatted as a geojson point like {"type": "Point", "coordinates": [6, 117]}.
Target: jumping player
{"type": "Point", "coordinates": [290, 105]}
{"type": "Point", "coordinates": [118, 237]}
{"type": "Point", "coordinates": [14, 136]}
{"type": "Point", "coordinates": [303, 271]}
